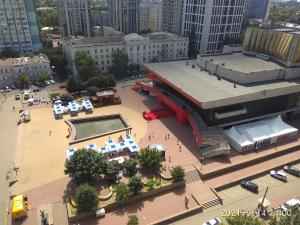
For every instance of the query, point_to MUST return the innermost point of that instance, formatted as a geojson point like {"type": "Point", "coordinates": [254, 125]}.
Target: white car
{"type": "Point", "coordinates": [2, 91]}
{"type": "Point", "coordinates": [290, 204]}
{"type": "Point", "coordinates": [47, 82]}
{"type": "Point", "coordinates": [213, 221]}
{"type": "Point", "coordinates": [52, 81]}
{"type": "Point", "coordinates": [278, 175]}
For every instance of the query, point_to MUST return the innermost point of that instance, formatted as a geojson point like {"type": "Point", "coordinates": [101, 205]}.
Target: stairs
{"type": "Point", "coordinates": [211, 203]}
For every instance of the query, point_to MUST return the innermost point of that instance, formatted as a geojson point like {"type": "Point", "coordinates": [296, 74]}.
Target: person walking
{"type": "Point", "coordinates": [14, 108]}
{"type": "Point", "coordinates": [50, 132]}
{"type": "Point", "coordinates": [186, 201]}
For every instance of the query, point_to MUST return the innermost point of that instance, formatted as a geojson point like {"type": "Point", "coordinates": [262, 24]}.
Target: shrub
{"type": "Point", "coordinates": [86, 198]}
{"type": "Point", "coordinates": [177, 173]}
{"type": "Point", "coordinates": [135, 184]}
{"type": "Point", "coordinates": [133, 220]}
{"type": "Point", "coordinates": [122, 192]}
{"type": "Point", "coordinates": [150, 184]}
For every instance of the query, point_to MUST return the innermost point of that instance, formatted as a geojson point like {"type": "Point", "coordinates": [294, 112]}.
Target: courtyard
{"type": "Point", "coordinates": [41, 157]}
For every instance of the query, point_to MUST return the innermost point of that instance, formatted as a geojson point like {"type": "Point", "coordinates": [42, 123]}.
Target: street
{"type": "Point", "coordinates": [237, 199]}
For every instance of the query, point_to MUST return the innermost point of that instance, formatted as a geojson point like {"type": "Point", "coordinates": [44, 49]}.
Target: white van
{"type": "Point", "coordinates": [290, 204]}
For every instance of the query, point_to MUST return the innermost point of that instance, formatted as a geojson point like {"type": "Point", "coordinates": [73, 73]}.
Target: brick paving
{"type": "Point", "coordinates": [44, 186]}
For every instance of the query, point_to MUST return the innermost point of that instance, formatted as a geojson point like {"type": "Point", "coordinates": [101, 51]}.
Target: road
{"type": "Point", "coordinates": [236, 199]}
{"type": "Point", "coordinates": [8, 138]}
{"type": "Point", "coordinates": [8, 142]}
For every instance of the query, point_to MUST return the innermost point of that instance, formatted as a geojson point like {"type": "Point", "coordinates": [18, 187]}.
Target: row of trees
{"type": "Point", "coordinates": [89, 78]}
{"type": "Point", "coordinates": [25, 79]}
{"type": "Point", "coordinates": [86, 166]}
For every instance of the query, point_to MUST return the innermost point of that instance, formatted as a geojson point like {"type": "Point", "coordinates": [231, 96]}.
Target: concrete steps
{"type": "Point", "coordinates": [192, 176]}
{"type": "Point", "coordinates": [211, 203]}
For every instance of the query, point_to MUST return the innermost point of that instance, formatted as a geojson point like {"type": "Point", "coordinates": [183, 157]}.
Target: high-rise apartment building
{"type": "Point", "coordinates": [257, 9]}
{"type": "Point", "coordinates": [150, 15]}
{"type": "Point", "coordinates": [172, 11]}
{"type": "Point", "coordinates": [215, 22]}
{"type": "Point", "coordinates": [75, 17]}
{"type": "Point", "coordinates": [124, 15]}
{"type": "Point", "coordinates": [19, 26]}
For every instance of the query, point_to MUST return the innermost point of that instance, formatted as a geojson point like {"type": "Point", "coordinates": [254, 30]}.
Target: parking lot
{"type": "Point", "coordinates": [237, 192]}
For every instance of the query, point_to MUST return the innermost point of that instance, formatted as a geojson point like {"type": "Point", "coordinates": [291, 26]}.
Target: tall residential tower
{"type": "Point", "coordinates": [150, 15]}
{"type": "Point", "coordinates": [124, 15]}
{"type": "Point", "coordinates": [258, 9]}
{"type": "Point", "coordinates": [19, 26]}
{"type": "Point", "coordinates": [215, 21]}
{"type": "Point", "coordinates": [172, 15]}
{"type": "Point", "coordinates": [75, 17]}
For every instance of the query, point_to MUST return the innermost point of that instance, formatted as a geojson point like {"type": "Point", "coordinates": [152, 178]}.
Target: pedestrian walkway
{"type": "Point", "coordinates": [192, 176]}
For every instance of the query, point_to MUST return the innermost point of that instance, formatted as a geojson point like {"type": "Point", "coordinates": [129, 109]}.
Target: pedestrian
{"type": "Point", "coordinates": [177, 141]}
{"type": "Point", "coordinates": [168, 136]}
{"type": "Point", "coordinates": [165, 137]}
{"type": "Point", "coordinates": [256, 149]}
{"type": "Point", "coordinates": [152, 134]}
{"type": "Point", "coordinates": [14, 108]}
{"type": "Point", "coordinates": [50, 132]}
{"type": "Point", "coordinates": [275, 147]}
{"type": "Point", "coordinates": [169, 158]}
{"type": "Point", "coordinates": [186, 201]}
{"type": "Point", "coordinates": [149, 137]}
{"type": "Point", "coordinates": [179, 148]}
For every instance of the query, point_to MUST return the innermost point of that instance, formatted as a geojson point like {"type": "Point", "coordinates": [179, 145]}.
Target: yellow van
{"type": "Point", "coordinates": [19, 209]}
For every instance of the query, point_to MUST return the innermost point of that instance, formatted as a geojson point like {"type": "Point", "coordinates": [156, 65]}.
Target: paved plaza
{"type": "Point", "coordinates": [41, 157]}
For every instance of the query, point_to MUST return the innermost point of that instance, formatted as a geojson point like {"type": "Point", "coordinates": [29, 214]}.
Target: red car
{"type": "Point", "coordinates": [62, 86]}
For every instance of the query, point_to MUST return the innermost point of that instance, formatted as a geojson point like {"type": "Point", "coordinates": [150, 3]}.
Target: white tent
{"type": "Point", "coordinates": [260, 133]}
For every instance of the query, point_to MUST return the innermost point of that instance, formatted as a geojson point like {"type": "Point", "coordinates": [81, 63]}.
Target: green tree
{"type": "Point", "coordinates": [85, 166]}
{"type": "Point", "coordinates": [192, 52]}
{"type": "Point", "coordinates": [85, 65]}
{"type": "Point", "coordinates": [133, 220]}
{"type": "Point", "coordinates": [92, 90]}
{"type": "Point", "coordinates": [58, 59]}
{"type": "Point", "coordinates": [112, 169]}
{"type": "Point", "coordinates": [86, 198]}
{"type": "Point", "coordinates": [150, 183]}
{"type": "Point", "coordinates": [130, 166]}
{"type": "Point", "coordinates": [122, 192]}
{"type": "Point", "coordinates": [177, 173]}
{"type": "Point", "coordinates": [48, 18]}
{"type": "Point", "coordinates": [41, 78]}
{"type": "Point", "coordinates": [24, 80]}
{"type": "Point", "coordinates": [135, 184]}
{"type": "Point", "coordinates": [66, 98]}
{"type": "Point", "coordinates": [244, 220]}
{"type": "Point", "coordinates": [74, 84]}
{"type": "Point", "coordinates": [150, 159]}
{"type": "Point", "coordinates": [120, 64]}
{"type": "Point", "coordinates": [291, 217]}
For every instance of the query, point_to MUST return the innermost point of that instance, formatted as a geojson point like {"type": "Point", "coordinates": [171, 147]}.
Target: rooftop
{"type": "Point", "coordinates": [94, 40]}
{"type": "Point", "coordinates": [23, 60]}
{"type": "Point", "coordinates": [161, 35]}
{"type": "Point", "coordinates": [243, 63]}
{"type": "Point", "coordinates": [205, 90]}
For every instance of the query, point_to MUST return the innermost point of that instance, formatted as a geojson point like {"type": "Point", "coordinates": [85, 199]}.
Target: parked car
{"type": "Point", "coordinates": [2, 91]}
{"type": "Point", "coordinates": [292, 170]}
{"type": "Point", "coordinates": [36, 90]}
{"type": "Point", "coordinates": [52, 81]}
{"type": "Point", "coordinates": [278, 175]}
{"type": "Point", "coordinates": [17, 97]}
{"type": "Point", "coordinates": [47, 82]}
{"type": "Point", "coordinates": [12, 86]}
{"type": "Point", "coordinates": [213, 221]}
{"type": "Point", "coordinates": [249, 186]}
{"type": "Point", "coordinates": [292, 203]}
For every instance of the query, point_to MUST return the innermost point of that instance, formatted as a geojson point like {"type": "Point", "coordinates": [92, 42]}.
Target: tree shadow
{"type": "Point", "coordinates": [69, 191]}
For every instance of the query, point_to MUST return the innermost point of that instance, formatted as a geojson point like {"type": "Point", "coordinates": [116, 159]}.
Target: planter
{"type": "Point", "coordinates": [74, 215]}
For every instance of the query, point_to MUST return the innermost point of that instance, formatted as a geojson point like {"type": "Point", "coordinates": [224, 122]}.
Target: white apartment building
{"type": "Point", "coordinates": [214, 21]}
{"type": "Point", "coordinates": [19, 26]}
{"type": "Point", "coordinates": [151, 15]}
{"type": "Point", "coordinates": [172, 11]}
{"type": "Point", "coordinates": [140, 49]}
{"type": "Point", "coordinates": [12, 68]}
{"type": "Point", "coordinates": [74, 17]}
